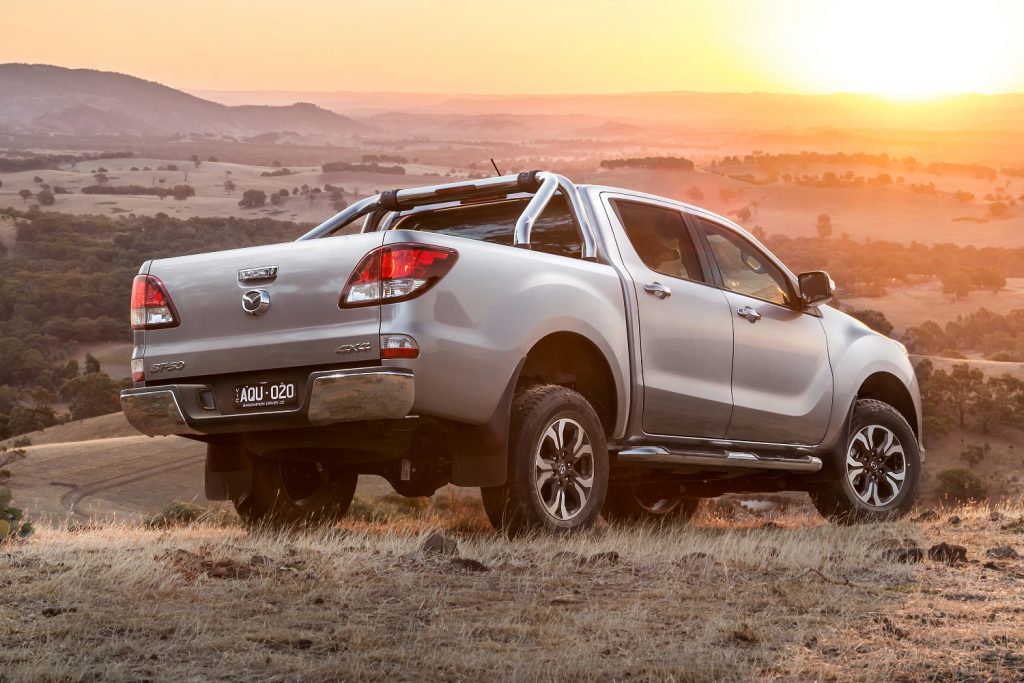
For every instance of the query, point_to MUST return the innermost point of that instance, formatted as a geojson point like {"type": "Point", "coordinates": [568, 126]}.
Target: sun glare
{"type": "Point", "coordinates": [903, 49]}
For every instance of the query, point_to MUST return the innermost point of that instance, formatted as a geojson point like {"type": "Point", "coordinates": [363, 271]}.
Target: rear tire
{"type": "Point", "coordinates": [557, 465]}
{"type": "Point", "coordinates": [880, 468]}
{"type": "Point", "coordinates": [647, 502]}
{"type": "Point", "coordinates": [295, 492]}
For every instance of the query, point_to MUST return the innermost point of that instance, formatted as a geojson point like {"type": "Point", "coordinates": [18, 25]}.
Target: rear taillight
{"type": "Point", "coordinates": [396, 272]}
{"type": "Point", "coordinates": [398, 346]}
{"type": "Point", "coordinates": [138, 370]}
{"type": "Point", "coordinates": [151, 305]}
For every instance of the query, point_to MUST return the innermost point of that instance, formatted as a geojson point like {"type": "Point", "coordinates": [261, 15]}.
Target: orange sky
{"type": "Point", "coordinates": [903, 48]}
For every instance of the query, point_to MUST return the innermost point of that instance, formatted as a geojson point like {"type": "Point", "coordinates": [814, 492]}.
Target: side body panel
{"type": "Point", "coordinates": [856, 353]}
{"type": "Point", "coordinates": [782, 379]}
{"type": "Point", "coordinates": [477, 323]}
{"type": "Point", "coordinates": [685, 342]}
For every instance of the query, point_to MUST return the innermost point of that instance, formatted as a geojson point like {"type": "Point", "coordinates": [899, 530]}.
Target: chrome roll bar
{"type": "Point", "coordinates": [542, 184]}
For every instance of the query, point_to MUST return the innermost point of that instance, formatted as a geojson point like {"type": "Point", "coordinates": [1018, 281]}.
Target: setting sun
{"type": "Point", "coordinates": [900, 49]}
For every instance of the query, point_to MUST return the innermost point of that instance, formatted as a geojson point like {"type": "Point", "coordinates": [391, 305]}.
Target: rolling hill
{"type": "Point", "coordinates": [43, 98]}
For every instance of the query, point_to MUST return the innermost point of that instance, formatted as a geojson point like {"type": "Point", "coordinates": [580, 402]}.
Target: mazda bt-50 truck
{"type": "Point", "coordinates": [571, 350]}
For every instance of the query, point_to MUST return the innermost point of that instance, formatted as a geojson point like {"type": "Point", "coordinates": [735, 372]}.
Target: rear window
{"type": "Point", "coordinates": [554, 232]}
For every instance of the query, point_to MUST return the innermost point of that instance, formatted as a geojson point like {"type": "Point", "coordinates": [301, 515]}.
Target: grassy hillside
{"type": "Point", "coordinates": [719, 600]}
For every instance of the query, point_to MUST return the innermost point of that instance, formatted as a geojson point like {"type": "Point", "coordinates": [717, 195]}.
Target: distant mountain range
{"type": "Point", "coordinates": [37, 97]}
{"type": "Point", "coordinates": [685, 111]}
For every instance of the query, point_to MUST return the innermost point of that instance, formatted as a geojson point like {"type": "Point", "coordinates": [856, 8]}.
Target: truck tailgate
{"type": "Point", "coordinates": [301, 325]}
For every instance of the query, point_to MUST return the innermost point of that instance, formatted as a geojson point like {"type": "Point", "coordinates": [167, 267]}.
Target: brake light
{"type": "Point", "coordinates": [151, 305]}
{"type": "Point", "coordinates": [396, 272]}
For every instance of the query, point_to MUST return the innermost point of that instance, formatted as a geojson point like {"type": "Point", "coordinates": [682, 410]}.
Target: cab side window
{"type": "Point", "coordinates": [661, 239]}
{"type": "Point", "coordinates": [744, 269]}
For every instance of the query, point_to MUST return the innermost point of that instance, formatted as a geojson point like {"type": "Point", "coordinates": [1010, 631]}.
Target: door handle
{"type": "Point", "coordinates": [749, 313]}
{"type": "Point", "coordinates": [657, 289]}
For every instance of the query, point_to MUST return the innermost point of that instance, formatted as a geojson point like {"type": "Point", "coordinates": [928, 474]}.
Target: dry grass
{"type": "Point", "coordinates": [717, 600]}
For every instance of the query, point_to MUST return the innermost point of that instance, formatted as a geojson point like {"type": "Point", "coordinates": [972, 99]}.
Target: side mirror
{"type": "Point", "coordinates": [816, 288]}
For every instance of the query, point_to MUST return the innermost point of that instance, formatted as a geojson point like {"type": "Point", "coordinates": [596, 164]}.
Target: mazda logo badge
{"type": "Point", "coordinates": [256, 301]}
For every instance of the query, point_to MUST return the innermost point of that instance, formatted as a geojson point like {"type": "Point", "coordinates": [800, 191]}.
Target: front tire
{"type": "Point", "coordinates": [295, 492]}
{"type": "Point", "coordinates": [557, 465]}
{"type": "Point", "coordinates": [880, 469]}
{"type": "Point", "coordinates": [648, 502]}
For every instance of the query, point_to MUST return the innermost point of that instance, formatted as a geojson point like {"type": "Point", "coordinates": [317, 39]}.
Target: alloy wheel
{"type": "Point", "coordinates": [876, 466]}
{"type": "Point", "coordinates": [564, 466]}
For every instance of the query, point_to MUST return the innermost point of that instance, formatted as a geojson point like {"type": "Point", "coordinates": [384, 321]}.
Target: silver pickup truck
{"type": "Point", "coordinates": [571, 350]}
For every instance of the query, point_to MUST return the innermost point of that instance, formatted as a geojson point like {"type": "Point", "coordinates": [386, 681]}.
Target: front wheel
{"type": "Point", "coordinates": [558, 464]}
{"type": "Point", "coordinates": [880, 471]}
{"type": "Point", "coordinates": [291, 492]}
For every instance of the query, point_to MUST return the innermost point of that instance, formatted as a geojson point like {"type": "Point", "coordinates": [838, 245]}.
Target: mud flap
{"type": "Point", "coordinates": [480, 454]}
{"type": "Point", "coordinates": [228, 472]}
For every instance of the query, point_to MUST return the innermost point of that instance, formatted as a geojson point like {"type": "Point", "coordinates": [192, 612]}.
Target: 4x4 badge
{"type": "Point", "coordinates": [256, 301]}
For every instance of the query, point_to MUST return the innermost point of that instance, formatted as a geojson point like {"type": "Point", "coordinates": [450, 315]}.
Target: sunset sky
{"type": "Point", "coordinates": [901, 48]}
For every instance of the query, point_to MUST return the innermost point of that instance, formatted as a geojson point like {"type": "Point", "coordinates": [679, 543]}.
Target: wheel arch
{"type": "Point", "coordinates": [887, 388]}
{"type": "Point", "coordinates": [572, 360]}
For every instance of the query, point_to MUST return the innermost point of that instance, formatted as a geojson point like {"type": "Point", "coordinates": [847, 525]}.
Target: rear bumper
{"type": "Point", "coordinates": [332, 396]}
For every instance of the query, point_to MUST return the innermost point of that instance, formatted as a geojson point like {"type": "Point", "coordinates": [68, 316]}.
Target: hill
{"type": "Point", "coordinates": [40, 97]}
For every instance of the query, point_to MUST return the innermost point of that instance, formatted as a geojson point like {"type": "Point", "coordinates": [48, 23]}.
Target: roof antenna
{"type": "Point", "coordinates": [495, 166]}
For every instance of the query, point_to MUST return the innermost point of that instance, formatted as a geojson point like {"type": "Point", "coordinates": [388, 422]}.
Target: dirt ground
{"type": "Point", "coordinates": [721, 599]}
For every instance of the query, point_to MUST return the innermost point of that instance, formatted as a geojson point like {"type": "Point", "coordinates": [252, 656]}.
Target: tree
{"type": "Point", "coordinates": [92, 365]}
{"type": "Point", "coordinates": [998, 210]}
{"type": "Point", "coordinates": [91, 395]}
{"type": "Point", "coordinates": [196, 160]}
{"type": "Point", "coordinates": [229, 186]}
{"type": "Point", "coordinates": [974, 454]}
{"type": "Point", "coordinates": [252, 199]}
{"type": "Point", "coordinates": [100, 178]}
{"type": "Point", "coordinates": [986, 278]}
{"type": "Point", "coordinates": [37, 180]}
{"type": "Point", "coordinates": [959, 389]}
{"type": "Point", "coordinates": [876, 320]}
{"type": "Point", "coordinates": [957, 283]}
{"type": "Point", "coordinates": [961, 485]}
{"type": "Point", "coordinates": [824, 225]}
{"type": "Point", "coordinates": [999, 400]}
{"type": "Point", "coordinates": [24, 419]}
{"type": "Point", "coordinates": [46, 198]}
{"type": "Point", "coordinates": [25, 194]}
{"type": "Point", "coordinates": [182, 192]}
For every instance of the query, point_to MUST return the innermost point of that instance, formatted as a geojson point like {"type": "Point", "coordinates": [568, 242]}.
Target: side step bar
{"type": "Point", "coordinates": [656, 455]}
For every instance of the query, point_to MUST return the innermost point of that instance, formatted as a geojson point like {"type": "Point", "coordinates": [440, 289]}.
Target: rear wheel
{"type": "Point", "coordinates": [880, 471]}
{"type": "Point", "coordinates": [558, 464]}
{"type": "Point", "coordinates": [291, 492]}
{"type": "Point", "coordinates": [640, 502]}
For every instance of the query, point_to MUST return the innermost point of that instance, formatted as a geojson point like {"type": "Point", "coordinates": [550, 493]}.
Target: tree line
{"type": "Point", "coordinates": [870, 268]}
{"type": "Point", "coordinates": [13, 163]}
{"type": "Point", "coordinates": [658, 163]}
{"type": "Point", "coordinates": [371, 167]}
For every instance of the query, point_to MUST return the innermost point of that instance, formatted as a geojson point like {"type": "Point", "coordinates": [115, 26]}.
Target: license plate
{"type": "Point", "coordinates": [266, 395]}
